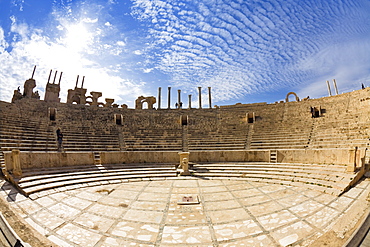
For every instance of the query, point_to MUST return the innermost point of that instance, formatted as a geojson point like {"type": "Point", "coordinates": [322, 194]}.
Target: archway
{"type": "Point", "coordinates": [287, 97]}
{"type": "Point", "coordinates": [141, 100]}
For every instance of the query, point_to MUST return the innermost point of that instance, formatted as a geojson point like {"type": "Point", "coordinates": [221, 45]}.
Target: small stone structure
{"type": "Point", "coordinates": [77, 95]}
{"type": "Point", "coordinates": [52, 90]}
{"type": "Point", "coordinates": [151, 100]}
{"type": "Point", "coordinates": [184, 163]}
{"type": "Point", "coordinates": [94, 98]}
{"type": "Point", "coordinates": [291, 93]}
{"type": "Point", "coordinates": [28, 87]}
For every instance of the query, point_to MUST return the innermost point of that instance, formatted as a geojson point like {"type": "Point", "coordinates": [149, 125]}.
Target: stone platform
{"type": "Point", "coordinates": [230, 213]}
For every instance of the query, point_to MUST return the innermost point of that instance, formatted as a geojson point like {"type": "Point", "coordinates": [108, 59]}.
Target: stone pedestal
{"type": "Point", "coordinates": [352, 160]}
{"type": "Point", "coordinates": [184, 163]}
{"type": "Point", "coordinates": [95, 97]}
{"type": "Point", "coordinates": [17, 170]}
{"type": "Point", "coordinates": [108, 102]}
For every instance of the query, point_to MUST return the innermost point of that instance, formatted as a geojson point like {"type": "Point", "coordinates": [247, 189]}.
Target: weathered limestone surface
{"type": "Point", "coordinates": [27, 126]}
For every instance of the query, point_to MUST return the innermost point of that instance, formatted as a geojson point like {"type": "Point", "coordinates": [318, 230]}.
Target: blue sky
{"type": "Point", "coordinates": [247, 51]}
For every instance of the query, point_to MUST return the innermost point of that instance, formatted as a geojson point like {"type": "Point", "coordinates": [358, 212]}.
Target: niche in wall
{"type": "Point", "coordinates": [118, 118]}
{"type": "Point", "coordinates": [184, 119]}
{"type": "Point", "coordinates": [251, 117]}
{"type": "Point", "coordinates": [52, 114]}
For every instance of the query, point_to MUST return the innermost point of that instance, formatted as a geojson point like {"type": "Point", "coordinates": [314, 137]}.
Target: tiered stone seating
{"type": "Point", "coordinates": [332, 179]}
{"type": "Point", "coordinates": [44, 181]}
{"type": "Point", "coordinates": [148, 140]}
{"type": "Point", "coordinates": [282, 126]}
{"type": "Point", "coordinates": [217, 130]}
{"type": "Point", "coordinates": [152, 131]}
{"type": "Point", "coordinates": [87, 130]}
{"type": "Point", "coordinates": [32, 130]}
{"type": "Point", "coordinates": [25, 134]}
{"type": "Point", "coordinates": [341, 129]}
{"type": "Point", "coordinates": [344, 123]}
{"type": "Point", "coordinates": [83, 139]}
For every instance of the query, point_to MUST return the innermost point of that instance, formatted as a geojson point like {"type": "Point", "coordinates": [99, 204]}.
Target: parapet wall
{"type": "Point", "coordinates": [35, 160]}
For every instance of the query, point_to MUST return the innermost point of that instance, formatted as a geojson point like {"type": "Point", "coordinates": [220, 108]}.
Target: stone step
{"type": "Point", "coordinates": [327, 169]}
{"type": "Point", "coordinates": [143, 148]}
{"type": "Point", "coordinates": [93, 181]}
{"type": "Point", "coordinates": [278, 146]}
{"type": "Point", "coordinates": [279, 142]}
{"type": "Point", "coordinates": [204, 148]}
{"type": "Point", "coordinates": [288, 175]}
{"type": "Point", "coordinates": [30, 180]}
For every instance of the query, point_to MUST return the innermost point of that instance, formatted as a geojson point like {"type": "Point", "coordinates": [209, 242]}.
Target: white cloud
{"type": "Point", "coordinates": [18, 3]}
{"type": "Point", "coordinates": [121, 43]}
{"type": "Point", "coordinates": [89, 20]}
{"type": "Point", "coordinates": [69, 53]}
{"type": "Point", "coordinates": [3, 43]}
{"type": "Point", "coordinates": [19, 28]}
{"type": "Point", "coordinates": [148, 70]}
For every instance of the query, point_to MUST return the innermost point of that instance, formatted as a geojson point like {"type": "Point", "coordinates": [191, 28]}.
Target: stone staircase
{"type": "Point", "coordinates": [331, 179]}
{"type": "Point", "coordinates": [39, 182]}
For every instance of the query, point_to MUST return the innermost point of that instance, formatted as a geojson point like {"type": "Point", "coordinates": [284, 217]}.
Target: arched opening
{"type": "Point", "coordinates": [291, 93]}
{"type": "Point", "coordinates": [250, 117]}
{"type": "Point", "coordinates": [184, 119]}
{"type": "Point", "coordinates": [118, 119]}
{"type": "Point", "coordinates": [144, 104]}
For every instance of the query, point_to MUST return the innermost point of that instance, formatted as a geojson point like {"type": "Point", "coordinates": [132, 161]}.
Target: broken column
{"type": "Point", "coordinates": [169, 98]}
{"type": "Point", "coordinates": [209, 98]}
{"type": "Point", "coordinates": [179, 98]}
{"type": "Point", "coordinates": [52, 90]}
{"type": "Point", "coordinates": [189, 101]}
{"type": "Point", "coordinates": [108, 102]}
{"type": "Point", "coordinates": [200, 97]}
{"type": "Point", "coordinates": [335, 86]}
{"type": "Point", "coordinates": [159, 97]}
{"type": "Point", "coordinates": [77, 95]}
{"type": "Point", "coordinates": [94, 97]}
{"type": "Point", "coordinates": [327, 83]}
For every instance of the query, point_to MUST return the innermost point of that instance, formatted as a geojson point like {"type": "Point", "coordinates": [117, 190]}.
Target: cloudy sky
{"type": "Point", "coordinates": [247, 51]}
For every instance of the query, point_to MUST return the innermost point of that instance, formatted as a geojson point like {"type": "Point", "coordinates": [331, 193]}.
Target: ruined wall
{"type": "Point", "coordinates": [344, 124]}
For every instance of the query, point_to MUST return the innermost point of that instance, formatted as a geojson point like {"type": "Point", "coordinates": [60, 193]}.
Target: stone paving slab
{"type": "Point", "coordinates": [146, 213]}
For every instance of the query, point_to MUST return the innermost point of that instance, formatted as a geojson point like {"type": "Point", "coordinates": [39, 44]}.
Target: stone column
{"type": "Point", "coordinates": [200, 97]}
{"type": "Point", "coordinates": [169, 98]}
{"type": "Point", "coordinates": [179, 97]}
{"type": "Point", "coordinates": [327, 83]}
{"type": "Point", "coordinates": [159, 97]}
{"type": "Point", "coordinates": [209, 98]}
{"type": "Point", "coordinates": [17, 170]}
{"type": "Point", "coordinates": [189, 101]}
{"type": "Point", "coordinates": [335, 86]}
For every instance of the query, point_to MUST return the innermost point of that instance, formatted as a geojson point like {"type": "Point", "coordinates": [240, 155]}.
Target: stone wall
{"type": "Point", "coordinates": [53, 159]}
{"type": "Point", "coordinates": [344, 123]}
